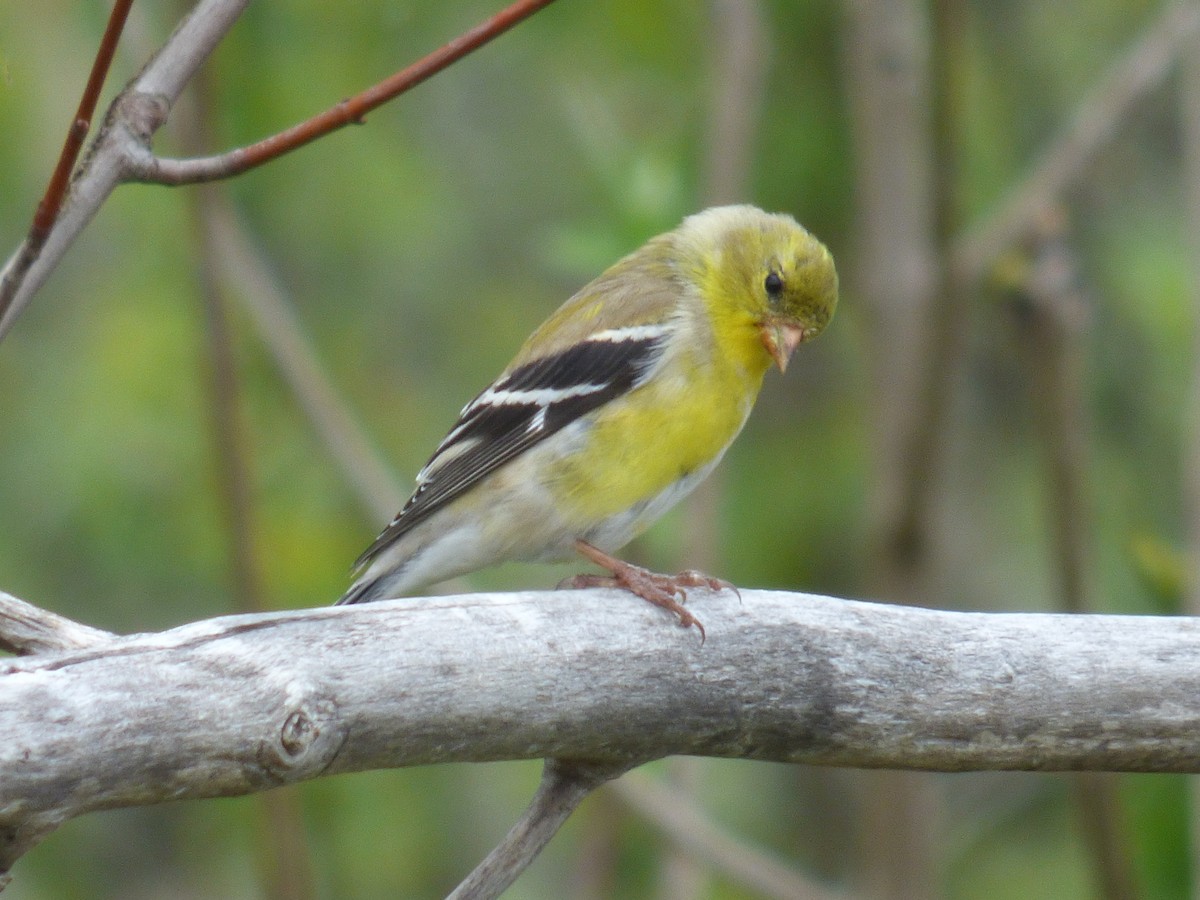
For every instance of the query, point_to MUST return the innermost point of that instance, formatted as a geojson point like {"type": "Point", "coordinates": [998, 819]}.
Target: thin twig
{"type": "Point", "coordinates": [1065, 160]}
{"type": "Point", "coordinates": [682, 875]}
{"type": "Point", "coordinates": [248, 271]}
{"type": "Point", "coordinates": [120, 153]}
{"type": "Point", "coordinates": [692, 830]}
{"type": "Point", "coordinates": [1051, 312]}
{"type": "Point", "coordinates": [348, 112]}
{"type": "Point", "coordinates": [51, 202]}
{"type": "Point", "coordinates": [228, 439]}
{"type": "Point", "coordinates": [48, 208]}
{"type": "Point", "coordinates": [564, 785]}
{"type": "Point", "coordinates": [740, 48]}
{"type": "Point", "coordinates": [132, 120]}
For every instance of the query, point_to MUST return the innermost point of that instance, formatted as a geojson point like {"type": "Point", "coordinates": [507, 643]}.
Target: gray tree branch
{"type": "Point", "coordinates": [240, 704]}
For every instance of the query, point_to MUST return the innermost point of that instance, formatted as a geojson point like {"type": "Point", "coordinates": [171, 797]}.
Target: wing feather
{"type": "Point", "coordinates": [524, 407]}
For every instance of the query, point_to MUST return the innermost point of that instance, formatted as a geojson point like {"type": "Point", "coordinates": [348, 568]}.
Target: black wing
{"type": "Point", "coordinates": [524, 407]}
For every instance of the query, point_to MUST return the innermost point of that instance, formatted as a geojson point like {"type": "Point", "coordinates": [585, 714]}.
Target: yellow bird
{"type": "Point", "coordinates": [613, 410]}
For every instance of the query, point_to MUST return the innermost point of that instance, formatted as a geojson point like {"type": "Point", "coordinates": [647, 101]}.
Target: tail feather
{"type": "Point", "coordinates": [367, 589]}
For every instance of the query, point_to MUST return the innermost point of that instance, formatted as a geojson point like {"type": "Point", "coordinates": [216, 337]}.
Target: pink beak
{"type": "Point", "coordinates": [781, 340]}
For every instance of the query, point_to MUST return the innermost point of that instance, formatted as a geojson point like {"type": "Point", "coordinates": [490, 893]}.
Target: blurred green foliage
{"type": "Point", "coordinates": [419, 250]}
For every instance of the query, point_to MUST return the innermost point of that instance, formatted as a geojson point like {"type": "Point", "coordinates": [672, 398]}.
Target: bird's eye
{"type": "Point", "coordinates": [774, 284]}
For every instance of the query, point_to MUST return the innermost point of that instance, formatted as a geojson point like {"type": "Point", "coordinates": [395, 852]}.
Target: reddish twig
{"type": "Point", "coordinates": [51, 202]}
{"type": "Point", "coordinates": [143, 107]}
{"type": "Point", "coordinates": [347, 112]}
{"type": "Point", "coordinates": [1096, 119]}
{"type": "Point", "coordinates": [47, 210]}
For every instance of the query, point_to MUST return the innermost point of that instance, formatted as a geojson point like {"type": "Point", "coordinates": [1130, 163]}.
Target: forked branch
{"type": "Point", "coordinates": [121, 152]}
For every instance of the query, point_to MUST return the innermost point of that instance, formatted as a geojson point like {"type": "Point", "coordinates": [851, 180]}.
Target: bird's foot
{"type": "Point", "coordinates": [661, 590]}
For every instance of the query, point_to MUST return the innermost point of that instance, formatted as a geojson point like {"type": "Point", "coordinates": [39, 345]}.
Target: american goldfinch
{"type": "Point", "coordinates": [613, 410]}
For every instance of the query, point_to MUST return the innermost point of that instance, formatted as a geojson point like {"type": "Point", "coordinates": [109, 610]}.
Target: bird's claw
{"type": "Point", "coordinates": [661, 590]}
{"type": "Point", "coordinates": [695, 578]}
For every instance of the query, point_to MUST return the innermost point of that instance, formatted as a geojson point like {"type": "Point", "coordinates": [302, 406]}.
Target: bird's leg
{"type": "Point", "coordinates": [661, 590]}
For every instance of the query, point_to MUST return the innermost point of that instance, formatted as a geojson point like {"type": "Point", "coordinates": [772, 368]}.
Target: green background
{"type": "Point", "coordinates": [418, 251]}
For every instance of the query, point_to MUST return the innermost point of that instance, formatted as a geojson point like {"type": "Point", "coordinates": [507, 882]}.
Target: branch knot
{"type": "Point", "coordinates": [141, 113]}
{"type": "Point", "coordinates": [305, 744]}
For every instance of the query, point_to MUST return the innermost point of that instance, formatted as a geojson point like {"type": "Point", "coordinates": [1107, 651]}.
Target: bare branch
{"type": "Point", "coordinates": [51, 202]}
{"type": "Point", "coordinates": [250, 275]}
{"type": "Point", "coordinates": [48, 207]}
{"type": "Point", "coordinates": [689, 827]}
{"type": "Point", "coordinates": [347, 112]}
{"type": "Point", "coordinates": [564, 785]}
{"type": "Point", "coordinates": [121, 152]}
{"type": "Point", "coordinates": [243, 703]}
{"type": "Point", "coordinates": [139, 111]}
{"type": "Point", "coordinates": [1098, 117]}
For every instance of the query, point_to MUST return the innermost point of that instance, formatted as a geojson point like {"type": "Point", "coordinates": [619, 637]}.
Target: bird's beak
{"type": "Point", "coordinates": [781, 340]}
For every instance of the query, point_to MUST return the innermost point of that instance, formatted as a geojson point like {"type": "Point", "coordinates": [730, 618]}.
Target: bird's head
{"type": "Point", "coordinates": [780, 278]}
